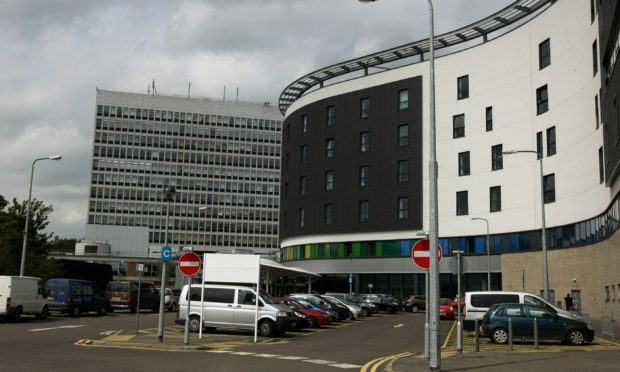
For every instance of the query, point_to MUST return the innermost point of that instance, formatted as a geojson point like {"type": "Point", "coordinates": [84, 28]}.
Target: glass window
{"type": "Point", "coordinates": [596, 113]}
{"type": "Point", "coordinates": [331, 116]}
{"type": "Point", "coordinates": [364, 176]}
{"type": "Point", "coordinates": [403, 135]}
{"type": "Point", "coordinates": [458, 126]}
{"type": "Point", "coordinates": [365, 108]}
{"type": "Point", "coordinates": [403, 171]}
{"type": "Point", "coordinates": [601, 167]}
{"type": "Point", "coordinates": [302, 185]}
{"type": "Point", "coordinates": [461, 203]}
{"type": "Point", "coordinates": [403, 99]}
{"type": "Point", "coordinates": [551, 141]}
{"type": "Point", "coordinates": [594, 58]}
{"type": "Point", "coordinates": [329, 148]}
{"type": "Point", "coordinates": [539, 145]}
{"type": "Point", "coordinates": [403, 208]}
{"type": "Point", "coordinates": [464, 163]}
{"type": "Point", "coordinates": [304, 154]}
{"type": "Point", "coordinates": [364, 141]}
{"type": "Point", "coordinates": [328, 214]}
{"type": "Point", "coordinates": [544, 54]}
{"type": "Point", "coordinates": [363, 210]}
{"type": "Point", "coordinates": [489, 118]}
{"type": "Point", "coordinates": [462, 84]}
{"type": "Point", "coordinates": [329, 180]}
{"type": "Point", "coordinates": [495, 196]}
{"type": "Point", "coordinates": [549, 187]}
{"type": "Point", "coordinates": [246, 297]}
{"type": "Point", "coordinates": [542, 100]}
{"type": "Point", "coordinates": [302, 217]}
{"type": "Point", "coordinates": [304, 123]}
{"type": "Point", "coordinates": [496, 157]}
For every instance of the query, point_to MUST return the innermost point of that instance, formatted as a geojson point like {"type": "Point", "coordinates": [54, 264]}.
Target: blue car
{"type": "Point", "coordinates": [551, 325]}
{"type": "Point", "coordinates": [74, 297]}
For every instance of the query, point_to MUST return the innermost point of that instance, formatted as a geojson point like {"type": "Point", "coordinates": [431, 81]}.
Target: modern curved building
{"type": "Point", "coordinates": [522, 83]}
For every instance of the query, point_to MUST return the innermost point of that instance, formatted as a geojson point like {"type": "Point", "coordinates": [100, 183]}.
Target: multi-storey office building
{"type": "Point", "coordinates": [355, 152]}
{"type": "Point", "coordinates": [223, 159]}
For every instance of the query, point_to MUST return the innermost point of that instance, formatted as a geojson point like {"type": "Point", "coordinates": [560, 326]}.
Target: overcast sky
{"type": "Point", "coordinates": [55, 53]}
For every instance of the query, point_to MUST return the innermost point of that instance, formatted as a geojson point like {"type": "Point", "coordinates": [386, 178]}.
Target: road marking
{"type": "Point", "coordinates": [291, 357]}
{"type": "Point", "coordinates": [398, 325]}
{"type": "Point", "coordinates": [376, 363]}
{"type": "Point", "coordinates": [267, 355]}
{"type": "Point", "coordinates": [53, 328]}
{"type": "Point", "coordinates": [345, 365]}
{"type": "Point", "coordinates": [319, 361]}
{"type": "Point", "coordinates": [242, 353]}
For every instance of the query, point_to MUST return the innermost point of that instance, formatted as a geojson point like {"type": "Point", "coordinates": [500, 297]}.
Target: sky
{"type": "Point", "coordinates": [54, 54]}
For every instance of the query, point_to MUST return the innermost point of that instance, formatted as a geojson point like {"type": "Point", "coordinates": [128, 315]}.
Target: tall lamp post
{"type": "Point", "coordinates": [488, 252]}
{"type": "Point", "coordinates": [22, 266]}
{"type": "Point", "coordinates": [169, 195]}
{"type": "Point", "coordinates": [543, 237]}
{"type": "Point", "coordinates": [351, 273]}
{"type": "Point", "coordinates": [433, 272]}
{"type": "Point", "coordinates": [459, 324]}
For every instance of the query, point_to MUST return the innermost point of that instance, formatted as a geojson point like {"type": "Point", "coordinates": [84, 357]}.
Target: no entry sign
{"type": "Point", "coordinates": [421, 254]}
{"type": "Point", "coordinates": [189, 264]}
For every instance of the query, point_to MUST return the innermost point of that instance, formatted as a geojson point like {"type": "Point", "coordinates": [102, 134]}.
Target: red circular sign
{"type": "Point", "coordinates": [189, 264]}
{"type": "Point", "coordinates": [421, 253]}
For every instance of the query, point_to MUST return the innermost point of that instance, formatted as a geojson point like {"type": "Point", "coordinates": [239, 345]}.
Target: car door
{"type": "Point", "coordinates": [219, 311]}
{"type": "Point", "coordinates": [550, 326]}
{"type": "Point", "coordinates": [521, 324]}
{"type": "Point", "coordinates": [245, 308]}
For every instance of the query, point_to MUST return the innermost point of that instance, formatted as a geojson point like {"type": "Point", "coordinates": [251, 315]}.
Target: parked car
{"type": "Point", "coordinates": [354, 310]}
{"type": "Point", "coordinates": [234, 307]}
{"type": "Point", "coordinates": [355, 299]}
{"type": "Point", "coordinates": [333, 315]}
{"type": "Point", "coordinates": [171, 298]}
{"type": "Point", "coordinates": [446, 311]}
{"type": "Point", "coordinates": [74, 297]}
{"type": "Point", "coordinates": [344, 313]}
{"type": "Point", "coordinates": [551, 326]}
{"type": "Point", "coordinates": [414, 303]}
{"type": "Point", "coordinates": [315, 317]}
{"type": "Point", "coordinates": [124, 295]}
{"type": "Point", "coordinates": [382, 303]}
{"type": "Point", "coordinates": [341, 311]}
{"type": "Point", "coordinates": [455, 303]}
{"type": "Point", "coordinates": [21, 295]}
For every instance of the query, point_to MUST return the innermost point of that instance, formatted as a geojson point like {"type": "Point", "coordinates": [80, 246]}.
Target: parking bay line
{"type": "Point", "coordinates": [54, 328]}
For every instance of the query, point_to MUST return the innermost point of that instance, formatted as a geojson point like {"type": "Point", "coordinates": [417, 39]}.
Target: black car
{"type": "Point", "coordinates": [382, 302]}
{"type": "Point", "coordinates": [414, 303]}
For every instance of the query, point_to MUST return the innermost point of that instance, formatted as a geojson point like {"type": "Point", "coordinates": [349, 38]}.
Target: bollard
{"type": "Point", "coordinates": [477, 333]}
{"type": "Point", "coordinates": [535, 333]}
{"type": "Point", "coordinates": [459, 336]}
{"type": "Point", "coordinates": [510, 334]}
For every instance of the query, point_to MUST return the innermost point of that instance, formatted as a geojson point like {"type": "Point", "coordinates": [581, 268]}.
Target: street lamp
{"type": "Point", "coordinates": [488, 252]}
{"type": "Point", "coordinates": [22, 267]}
{"type": "Point", "coordinates": [350, 273]}
{"type": "Point", "coordinates": [169, 195]}
{"type": "Point", "coordinates": [543, 237]}
{"type": "Point", "coordinates": [459, 325]}
{"type": "Point", "coordinates": [433, 273]}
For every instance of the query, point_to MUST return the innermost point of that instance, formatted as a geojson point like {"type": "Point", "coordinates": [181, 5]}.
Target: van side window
{"type": "Point", "coordinates": [246, 297]}
{"type": "Point", "coordinates": [221, 295]}
{"type": "Point", "coordinates": [488, 300]}
{"type": "Point", "coordinates": [88, 290]}
{"type": "Point", "coordinates": [531, 300]}
{"type": "Point", "coordinates": [76, 289]}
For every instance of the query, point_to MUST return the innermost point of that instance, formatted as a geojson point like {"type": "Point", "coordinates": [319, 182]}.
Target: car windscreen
{"type": "Point", "coordinates": [266, 297]}
{"type": "Point", "coordinates": [57, 289]}
{"type": "Point", "coordinates": [118, 287]}
{"type": "Point", "coordinates": [445, 301]}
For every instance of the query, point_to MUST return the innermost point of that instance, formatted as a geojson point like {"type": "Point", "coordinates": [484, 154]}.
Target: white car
{"type": "Point", "coordinates": [355, 310]}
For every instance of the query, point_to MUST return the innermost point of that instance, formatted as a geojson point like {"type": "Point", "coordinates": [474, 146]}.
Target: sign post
{"type": "Point", "coordinates": [189, 265]}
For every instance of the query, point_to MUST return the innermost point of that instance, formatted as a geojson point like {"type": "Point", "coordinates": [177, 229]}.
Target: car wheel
{"type": "Point", "coordinates": [575, 337]}
{"type": "Point", "coordinates": [75, 311]}
{"type": "Point", "coordinates": [173, 307]}
{"type": "Point", "coordinates": [351, 317]}
{"type": "Point", "coordinates": [17, 314]}
{"type": "Point", "coordinates": [415, 308]}
{"type": "Point", "coordinates": [311, 322]}
{"type": "Point", "coordinates": [44, 313]}
{"type": "Point", "coordinates": [194, 323]}
{"type": "Point", "coordinates": [499, 336]}
{"type": "Point", "coordinates": [103, 311]}
{"type": "Point", "coordinates": [365, 312]}
{"type": "Point", "coordinates": [266, 328]}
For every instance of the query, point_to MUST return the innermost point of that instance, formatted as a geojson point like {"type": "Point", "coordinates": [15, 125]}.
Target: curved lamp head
{"type": "Point", "coordinates": [55, 157]}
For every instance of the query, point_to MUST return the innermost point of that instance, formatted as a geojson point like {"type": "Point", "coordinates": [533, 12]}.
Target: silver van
{"type": "Point", "coordinates": [234, 307]}
{"type": "Point", "coordinates": [477, 304]}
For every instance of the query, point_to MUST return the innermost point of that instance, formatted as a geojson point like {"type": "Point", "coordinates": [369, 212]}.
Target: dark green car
{"type": "Point", "coordinates": [551, 326]}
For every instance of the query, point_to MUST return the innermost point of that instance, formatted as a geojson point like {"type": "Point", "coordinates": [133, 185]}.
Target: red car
{"type": "Point", "coordinates": [455, 303]}
{"type": "Point", "coordinates": [446, 311]}
{"type": "Point", "coordinates": [315, 316]}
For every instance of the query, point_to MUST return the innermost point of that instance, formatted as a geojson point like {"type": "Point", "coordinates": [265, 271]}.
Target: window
{"type": "Point", "coordinates": [458, 126]}
{"type": "Point", "coordinates": [539, 145]}
{"type": "Point", "coordinates": [403, 135]}
{"type": "Point", "coordinates": [329, 180]}
{"type": "Point", "coordinates": [304, 123]}
{"type": "Point", "coordinates": [462, 86]}
{"type": "Point", "coordinates": [544, 54]}
{"type": "Point", "coordinates": [330, 116]}
{"type": "Point", "coordinates": [304, 154]}
{"type": "Point", "coordinates": [403, 100]}
{"type": "Point", "coordinates": [596, 113]}
{"type": "Point", "coordinates": [551, 141]}
{"type": "Point", "coordinates": [594, 58]}
{"type": "Point", "coordinates": [549, 187]}
{"type": "Point", "coordinates": [495, 199]}
{"type": "Point", "coordinates": [592, 10]}
{"type": "Point", "coordinates": [489, 118]}
{"type": "Point", "coordinates": [461, 203]}
{"type": "Point", "coordinates": [363, 210]}
{"type": "Point", "coordinates": [329, 148]}
{"type": "Point", "coordinates": [365, 108]}
{"type": "Point", "coordinates": [403, 208]}
{"type": "Point", "coordinates": [542, 100]}
{"type": "Point", "coordinates": [328, 214]}
{"type": "Point", "coordinates": [364, 176]}
{"type": "Point", "coordinates": [302, 185]}
{"type": "Point", "coordinates": [464, 163]}
{"type": "Point", "coordinates": [302, 217]}
{"type": "Point", "coordinates": [601, 168]}
{"type": "Point", "coordinates": [364, 141]}
{"type": "Point", "coordinates": [497, 162]}
{"type": "Point", "coordinates": [403, 171]}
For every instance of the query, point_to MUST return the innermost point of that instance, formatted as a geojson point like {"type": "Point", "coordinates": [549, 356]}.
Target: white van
{"type": "Point", "coordinates": [477, 303]}
{"type": "Point", "coordinates": [21, 295]}
{"type": "Point", "coordinates": [234, 307]}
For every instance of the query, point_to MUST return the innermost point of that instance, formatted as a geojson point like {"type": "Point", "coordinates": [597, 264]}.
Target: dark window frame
{"type": "Point", "coordinates": [403, 140]}
{"type": "Point", "coordinates": [403, 105]}
{"type": "Point", "coordinates": [304, 123]}
{"type": "Point", "coordinates": [462, 203]}
{"type": "Point", "coordinates": [330, 148]}
{"type": "Point", "coordinates": [464, 163]}
{"type": "Point", "coordinates": [364, 141]}
{"type": "Point", "coordinates": [328, 214]}
{"type": "Point", "coordinates": [402, 167]}
{"type": "Point", "coordinates": [365, 108]}
{"type": "Point", "coordinates": [462, 87]}
{"type": "Point", "coordinates": [542, 100]}
{"type": "Point", "coordinates": [551, 141]}
{"type": "Point", "coordinates": [544, 54]}
{"type": "Point", "coordinates": [330, 180]}
{"type": "Point", "coordinates": [489, 118]}
{"type": "Point", "coordinates": [363, 207]}
{"type": "Point", "coordinates": [497, 157]}
{"type": "Point", "coordinates": [458, 126]}
{"type": "Point", "coordinates": [495, 199]}
{"type": "Point", "coordinates": [330, 116]}
{"type": "Point", "coordinates": [364, 176]}
{"type": "Point", "coordinates": [402, 207]}
{"type": "Point", "coordinates": [549, 188]}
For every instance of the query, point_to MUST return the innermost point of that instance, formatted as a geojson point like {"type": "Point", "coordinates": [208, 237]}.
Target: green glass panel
{"type": "Point", "coordinates": [341, 250]}
{"type": "Point", "coordinates": [356, 249]}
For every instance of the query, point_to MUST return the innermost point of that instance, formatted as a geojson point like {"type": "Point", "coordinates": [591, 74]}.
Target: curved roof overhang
{"type": "Point", "coordinates": [503, 18]}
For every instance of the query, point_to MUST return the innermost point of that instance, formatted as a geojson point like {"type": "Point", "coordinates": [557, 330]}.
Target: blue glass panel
{"type": "Point", "coordinates": [514, 242]}
{"type": "Point", "coordinates": [480, 247]}
{"type": "Point", "coordinates": [445, 246]}
{"type": "Point", "coordinates": [461, 244]}
{"type": "Point", "coordinates": [497, 247]}
{"type": "Point", "coordinates": [405, 248]}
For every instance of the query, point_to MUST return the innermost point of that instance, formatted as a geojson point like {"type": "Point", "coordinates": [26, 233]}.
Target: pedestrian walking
{"type": "Point", "coordinates": [568, 301]}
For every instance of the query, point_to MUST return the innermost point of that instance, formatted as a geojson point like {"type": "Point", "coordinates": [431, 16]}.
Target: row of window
{"type": "Point", "coordinates": [226, 143]}
{"type": "Point", "coordinates": [186, 118]}
{"type": "Point", "coordinates": [191, 184]}
{"type": "Point", "coordinates": [363, 208]}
